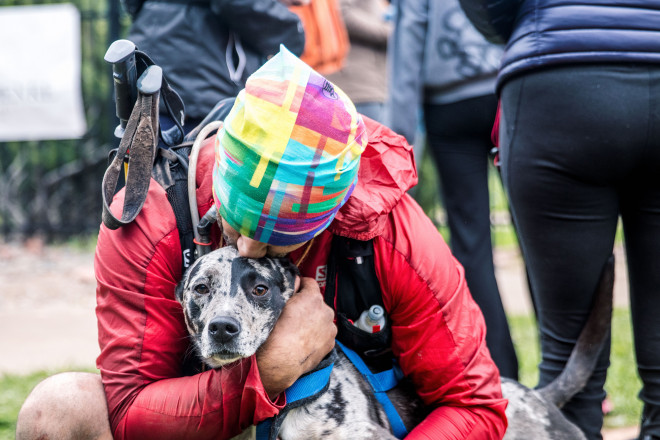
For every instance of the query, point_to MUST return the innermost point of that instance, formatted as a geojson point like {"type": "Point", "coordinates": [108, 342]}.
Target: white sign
{"type": "Point", "coordinates": [40, 96]}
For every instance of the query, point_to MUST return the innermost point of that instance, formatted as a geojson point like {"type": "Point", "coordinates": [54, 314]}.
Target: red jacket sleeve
{"type": "Point", "coordinates": [144, 342]}
{"type": "Point", "coordinates": [438, 330]}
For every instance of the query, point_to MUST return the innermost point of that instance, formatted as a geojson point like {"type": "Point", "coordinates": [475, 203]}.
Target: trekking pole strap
{"type": "Point", "coordinates": [140, 139]}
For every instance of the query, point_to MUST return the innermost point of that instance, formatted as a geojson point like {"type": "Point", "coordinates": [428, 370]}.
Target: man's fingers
{"type": "Point", "coordinates": [308, 284]}
{"type": "Point", "coordinates": [303, 335]}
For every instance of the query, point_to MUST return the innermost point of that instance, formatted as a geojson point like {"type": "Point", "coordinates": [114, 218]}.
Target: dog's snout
{"type": "Point", "coordinates": [223, 329]}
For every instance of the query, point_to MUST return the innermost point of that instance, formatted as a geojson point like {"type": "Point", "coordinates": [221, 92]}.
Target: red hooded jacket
{"type": "Point", "coordinates": [438, 331]}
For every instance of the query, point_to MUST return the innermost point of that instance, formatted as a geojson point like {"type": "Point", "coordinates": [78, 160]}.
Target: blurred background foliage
{"type": "Point", "coordinates": [52, 188]}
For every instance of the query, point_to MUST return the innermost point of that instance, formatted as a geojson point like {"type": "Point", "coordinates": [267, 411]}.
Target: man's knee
{"type": "Point", "coordinates": [66, 405]}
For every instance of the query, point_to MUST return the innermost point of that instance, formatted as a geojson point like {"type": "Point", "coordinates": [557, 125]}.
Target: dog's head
{"type": "Point", "coordinates": [231, 303]}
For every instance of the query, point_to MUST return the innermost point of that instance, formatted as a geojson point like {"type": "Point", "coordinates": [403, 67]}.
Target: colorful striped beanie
{"type": "Point", "coordinates": [288, 155]}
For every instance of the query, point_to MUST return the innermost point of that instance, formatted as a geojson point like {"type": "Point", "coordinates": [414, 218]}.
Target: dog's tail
{"type": "Point", "coordinates": [585, 354]}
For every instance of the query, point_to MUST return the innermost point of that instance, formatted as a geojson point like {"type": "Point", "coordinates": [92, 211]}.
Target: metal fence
{"type": "Point", "coordinates": [52, 189]}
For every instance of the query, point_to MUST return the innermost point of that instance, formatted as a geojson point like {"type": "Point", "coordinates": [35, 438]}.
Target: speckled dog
{"type": "Point", "coordinates": [230, 306]}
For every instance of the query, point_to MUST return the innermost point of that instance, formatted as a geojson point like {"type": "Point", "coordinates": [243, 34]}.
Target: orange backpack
{"type": "Point", "coordinates": [326, 38]}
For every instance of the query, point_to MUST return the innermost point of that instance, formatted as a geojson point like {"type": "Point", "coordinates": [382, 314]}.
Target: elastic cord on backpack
{"type": "Point", "coordinates": [192, 174]}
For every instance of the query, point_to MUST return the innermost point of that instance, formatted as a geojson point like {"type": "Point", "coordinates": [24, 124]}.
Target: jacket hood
{"type": "Point", "coordinates": [387, 171]}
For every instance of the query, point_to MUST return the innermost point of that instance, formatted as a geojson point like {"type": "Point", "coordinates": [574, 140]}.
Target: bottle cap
{"type": "Point", "coordinates": [376, 312]}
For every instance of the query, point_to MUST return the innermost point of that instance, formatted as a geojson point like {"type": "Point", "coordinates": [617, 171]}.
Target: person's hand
{"type": "Point", "coordinates": [303, 335]}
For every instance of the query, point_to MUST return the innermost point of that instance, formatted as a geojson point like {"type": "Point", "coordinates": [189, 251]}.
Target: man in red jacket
{"type": "Point", "coordinates": [293, 167]}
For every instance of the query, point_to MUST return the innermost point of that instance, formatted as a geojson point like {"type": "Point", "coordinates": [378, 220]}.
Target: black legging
{"type": "Point", "coordinates": [459, 140]}
{"type": "Point", "coordinates": [580, 146]}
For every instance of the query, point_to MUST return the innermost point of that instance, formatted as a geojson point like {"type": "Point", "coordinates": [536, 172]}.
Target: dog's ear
{"type": "Point", "coordinates": [289, 266]}
{"type": "Point", "coordinates": [291, 271]}
{"type": "Point", "coordinates": [178, 291]}
{"type": "Point", "coordinates": [191, 271]}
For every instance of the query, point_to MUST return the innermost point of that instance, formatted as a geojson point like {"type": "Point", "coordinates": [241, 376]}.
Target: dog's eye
{"type": "Point", "coordinates": [260, 290]}
{"type": "Point", "coordinates": [202, 289]}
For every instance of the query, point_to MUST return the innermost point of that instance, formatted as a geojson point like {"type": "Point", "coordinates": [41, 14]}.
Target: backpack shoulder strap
{"type": "Point", "coordinates": [380, 384]}
{"type": "Point", "coordinates": [352, 272]}
{"type": "Point", "coordinates": [171, 172]}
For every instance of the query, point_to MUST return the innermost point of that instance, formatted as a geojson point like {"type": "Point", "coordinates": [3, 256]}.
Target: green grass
{"type": "Point", "coordinates": [622, 383]}
{"type": "Point", "coordinates": [14, 391]}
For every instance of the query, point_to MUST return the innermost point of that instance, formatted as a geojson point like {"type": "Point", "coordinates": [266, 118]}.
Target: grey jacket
{"type": "Point", "coordinates": [435, 56]}
{"type": "Point", "coordinates": [208, 48]}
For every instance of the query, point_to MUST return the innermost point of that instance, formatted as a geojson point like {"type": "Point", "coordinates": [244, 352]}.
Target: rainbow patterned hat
{"type": "Point", "coordinates": [288, 155]}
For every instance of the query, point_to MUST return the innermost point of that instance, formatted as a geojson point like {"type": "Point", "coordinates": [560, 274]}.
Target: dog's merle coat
{"type": "Point", "coordinates": [231, 304]}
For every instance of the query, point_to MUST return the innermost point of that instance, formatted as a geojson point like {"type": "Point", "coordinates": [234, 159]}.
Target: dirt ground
{"type": "Point", "coordinates": [47, 304]}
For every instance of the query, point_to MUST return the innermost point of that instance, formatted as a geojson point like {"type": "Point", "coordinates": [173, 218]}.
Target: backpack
{"type": "Point", "coordinates": [326, 38]}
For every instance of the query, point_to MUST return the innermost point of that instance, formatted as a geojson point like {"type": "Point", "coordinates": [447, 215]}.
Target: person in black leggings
{"type": "Point", "coordinates": [580, 147]}
{"type": "Point", "coordinates": [459, 140]}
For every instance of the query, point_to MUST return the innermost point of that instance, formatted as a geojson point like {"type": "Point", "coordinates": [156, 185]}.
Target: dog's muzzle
{"type": "Point", "coordinates": [223, 329]}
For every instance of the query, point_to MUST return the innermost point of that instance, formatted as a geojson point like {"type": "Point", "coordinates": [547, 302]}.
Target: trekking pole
{"type": "Point", "coordinates": [121, 54]}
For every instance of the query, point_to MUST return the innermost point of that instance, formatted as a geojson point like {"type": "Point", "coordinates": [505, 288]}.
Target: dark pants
{"type": "Point", "coordinates": [459, 140]}
{"type": "Point", "coordinates": [580, 146]}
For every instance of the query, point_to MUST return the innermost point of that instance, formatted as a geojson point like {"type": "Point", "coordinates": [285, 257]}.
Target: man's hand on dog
{"type": "Point", "coordinates": [303, 336]}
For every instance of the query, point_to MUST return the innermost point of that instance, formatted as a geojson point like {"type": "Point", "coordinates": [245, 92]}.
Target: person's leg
{"type": "Point", "coordinates": [640, 210]}
{"type": "Point", "coordinates": [459, 141]}
{"type": "Point", "coordinates": [641, 220]}
{"type": "Point", "coordinates": [565, 137]}
{"type": "Point", "coordinates": [65, 406]}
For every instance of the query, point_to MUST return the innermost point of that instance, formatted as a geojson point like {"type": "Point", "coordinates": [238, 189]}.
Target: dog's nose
{"type": "Point", "coordinates": [223, 329]}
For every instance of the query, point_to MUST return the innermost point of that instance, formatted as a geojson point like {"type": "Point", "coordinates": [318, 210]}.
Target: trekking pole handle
{"type": "Point", "coordinates": [121, 54]}
{"type": "Point", "coordinates": [150, 81]}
